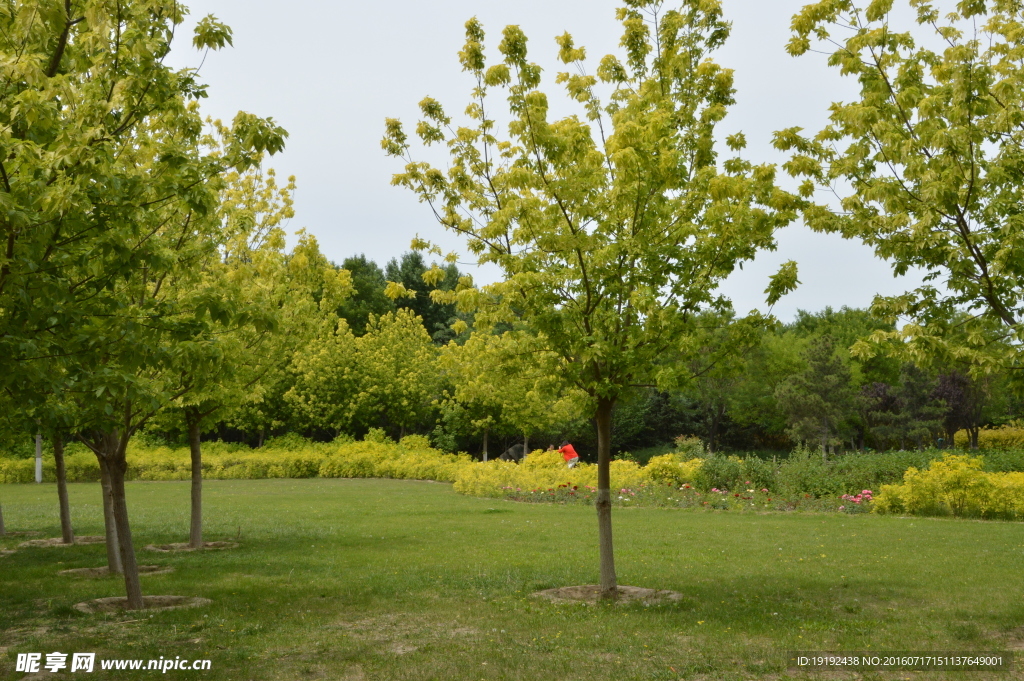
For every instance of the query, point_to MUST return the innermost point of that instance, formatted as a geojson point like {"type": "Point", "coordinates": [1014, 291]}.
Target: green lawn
{"type": "Point", "coordinates": [380, 579]}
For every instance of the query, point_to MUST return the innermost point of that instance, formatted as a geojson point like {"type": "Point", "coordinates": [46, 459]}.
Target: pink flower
{"type": "Point", "coordinates": [867, 492]}
{"type": "Point", "coordinates": [764, 490]}
{"type": "Point", "coordinates": [841, 508]}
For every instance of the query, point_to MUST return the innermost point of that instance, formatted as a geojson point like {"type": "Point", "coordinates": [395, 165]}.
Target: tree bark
{"type": "Point", "coordinates": [716, 420]}
{"type": "Point", "coordinates": [193, 421]}
{"type": "Point", "coordinates": [39, 457]}
{"type": "Point", "coordinates": [118, 466]}
{"type": "Point", "coordinates": [109, 526]}
{"type": "Point", "coordinates": [66, 532]}
{"type": "Point", "coordinates": [486, 430]}
{"type": "Point", "coordinates": [609, 583]}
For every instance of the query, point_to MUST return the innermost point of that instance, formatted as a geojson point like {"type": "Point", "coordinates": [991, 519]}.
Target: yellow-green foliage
{"type": "Point", "coordinates": [1005, 438]}
{"type": "Point", "coordinates": [80, 467]}
{"type": "Point", "coordinates": [955, 485]}
{"type": "Point", "coordinates": [410, 458]}
{"type": "Point", "coordinates": [672, 469]}
{"type": "Point", "coordinates": [543, 471]}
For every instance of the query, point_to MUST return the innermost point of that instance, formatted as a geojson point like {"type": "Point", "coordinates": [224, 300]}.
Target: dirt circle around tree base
{"type": "Point", "coordinates": [59, 541]}
{"type": "Point", "coordinates": [23, 533]}
{"type": "Point", "coordinates": [183, 546]}
{"type": "Point", "coordinates": [119, 603]}
{"type": "Point", "coordinates": [6, 552]}
{"type": "Point", "coordinates": [98, 572]}
{"type": "Point", "coordinates": [591, 593]}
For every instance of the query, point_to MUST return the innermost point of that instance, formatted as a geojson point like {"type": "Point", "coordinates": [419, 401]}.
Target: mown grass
{"type": "Point", "coordinates": [385, 579]}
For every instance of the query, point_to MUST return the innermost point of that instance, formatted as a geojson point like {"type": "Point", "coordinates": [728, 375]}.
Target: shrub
{"type": "Point", "coordinates": [672, 469]}
{"type": "Point", "coordinates": [289, 457]}
{"type": "Point", "coordinates": [690, 446]}
{"type": "Point", "coordinates": [955, 485]}
{"type": "Point", "coordinates": [544, 472]}
{"type": "Point", "coordinates": [1005, 438]}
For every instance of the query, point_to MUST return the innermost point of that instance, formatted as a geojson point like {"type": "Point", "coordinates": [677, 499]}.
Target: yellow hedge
{"type": "Point", "coordinates": [1004, 438]}
{"type": "Point", "coordinates": [412, 458]}
{"type": "Point", "coordinates": [80, 467]}
{"type": "Point", "coordinates": [957, 486]}
{"type": "Point", "coordinates": [670, 468]}
{"type": "Point", "coordinates": [547, 470]}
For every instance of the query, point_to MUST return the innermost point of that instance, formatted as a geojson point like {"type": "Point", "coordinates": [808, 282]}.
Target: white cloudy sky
{"type": "Point", "coordinates": [330, 72]}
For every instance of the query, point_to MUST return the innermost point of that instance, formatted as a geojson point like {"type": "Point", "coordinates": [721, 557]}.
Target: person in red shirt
{"type": "Point", "coordinates": [569, 454]}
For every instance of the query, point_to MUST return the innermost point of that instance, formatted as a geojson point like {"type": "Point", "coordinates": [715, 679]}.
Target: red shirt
{"type": "Point", "coordinates": [568, 453]}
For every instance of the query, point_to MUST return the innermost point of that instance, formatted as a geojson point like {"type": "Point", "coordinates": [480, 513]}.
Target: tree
{"type": "Point", "coordinates": [285, 298]}
{"type": "Point", "coordinates": [386, 378]}
{"type": "Point", "coordinates": [965, 398]}
{"type": "Point", "coordinates": [818, 401]}
{"type": "Point", "coordinates": [926, 163]}
{"type": "Point", "coordinates": [911, 412]}
{"type": "Point", "coordinates": [368, 283]}
{"type": "Point", "coordinates": [501, 388]}
{"type": "Point", "coordinates": [767, 366]}
{"type": "Point", "coordinates": [437, 314]}
{"type": "Point", "coordinates": [612, 228]}
{"type": "Point", "coordinates": [108, 198]}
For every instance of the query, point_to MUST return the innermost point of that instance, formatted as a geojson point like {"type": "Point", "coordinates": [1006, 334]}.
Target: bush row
{"type": "Point", "coordinates": [909, 482]}
{"type": "Point", "coordinates": [1005, 438]}
{"type": "Point", "coordinates": [957, 485]}
{"type": "Point", "coordinates": [412, 458]}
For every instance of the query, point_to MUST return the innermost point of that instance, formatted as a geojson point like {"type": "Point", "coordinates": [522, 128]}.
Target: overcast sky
{"type": "Point", "coordinates": [330, 72]}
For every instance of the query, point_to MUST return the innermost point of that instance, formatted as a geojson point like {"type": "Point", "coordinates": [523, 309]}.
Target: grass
{"type": "Point", "coordinates": [395, 580]}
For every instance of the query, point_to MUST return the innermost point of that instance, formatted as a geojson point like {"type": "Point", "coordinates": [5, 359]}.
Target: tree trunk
{"type": "Point", "coordinates": [973, 432]}
{"type": "Point", "coordinates": [609, 583]}
{"type": "Point", "coordinates": [195, 534]}
{"type": "Point", "coordinates": [486, 430]}
{"type": "Point", "coordinates": [118, 466]}
{"type": "Point", "coordinates": [39, 457]}
{"type": "Point", "coordinates": [66, 532]}
{"type": "Point", "coordinates": [110, 528]}
{"type": "Point", "coordinates": [716, 421]}
{"type": "Point", "coordinates": [526, 445]}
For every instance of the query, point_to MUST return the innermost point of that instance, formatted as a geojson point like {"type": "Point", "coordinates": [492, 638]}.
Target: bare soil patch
{"type": "Point", "coordinates": [58, 541]}
{"type": "Point", "coordinates": [183, 546]}
{"type": "Point", "coordinates": [6, 552]}
{"type": "Point", "coordinates": [119, 603]}
{"type": "Point", "coordinates": [591, 593]}
{"type": "Point", "coordinates": [24, 533]}
{"type": "Point", "coordinates": [98, 572]}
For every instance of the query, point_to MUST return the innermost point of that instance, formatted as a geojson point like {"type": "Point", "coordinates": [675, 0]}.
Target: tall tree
{"type": "Point", "coordinates": [108, 199]}
{"type": "Point", "coordinates": [284, 299]}
{"type": "Point", "coordinates": [819, 401]}
{"type": "Point", "coordinates": [926, 162]}
{"type": "Point", "coordinates": [438, 314]}
{"type": "Point", "coordinates": [964, 398]}
{"type": "Point", "coordinates": [368, 283]}
{"type": "Point", "coordinates": [612, 227]}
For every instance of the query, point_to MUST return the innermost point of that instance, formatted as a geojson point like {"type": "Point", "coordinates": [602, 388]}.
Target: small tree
{"type": "Point", "coordinates": [612, 227]}
{"type": "Point", "coordinates": [499, 386]}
